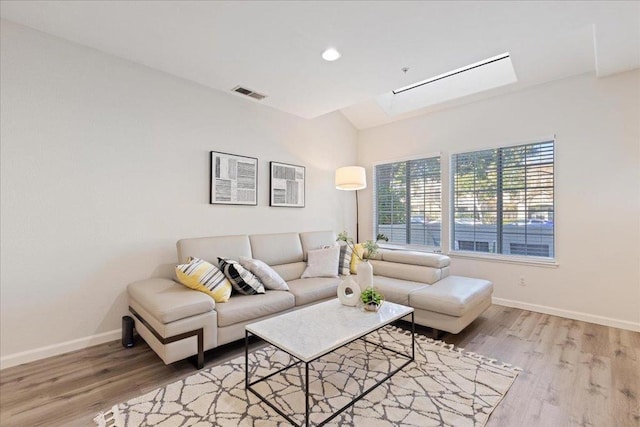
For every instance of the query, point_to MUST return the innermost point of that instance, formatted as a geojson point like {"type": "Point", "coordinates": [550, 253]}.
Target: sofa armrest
{"type": "Point", "coordinates": [410, 272]}
{"type": "Point", "coordinates": [169, 301]}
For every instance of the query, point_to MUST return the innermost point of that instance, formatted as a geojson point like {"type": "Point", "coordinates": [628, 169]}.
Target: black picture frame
{"type": "Point", "coordinates": [287, 185]}
{"type": "Point", "coordinates": [233, 179]}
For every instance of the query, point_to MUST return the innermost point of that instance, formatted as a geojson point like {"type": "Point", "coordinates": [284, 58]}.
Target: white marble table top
{"type": "Point", "coordinates": [312, 331]}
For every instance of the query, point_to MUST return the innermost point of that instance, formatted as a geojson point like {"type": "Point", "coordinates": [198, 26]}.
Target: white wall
{"type": "Point", "coordinates": [105, 165]}
{"type": "Point", "coordinates": [597, 125]}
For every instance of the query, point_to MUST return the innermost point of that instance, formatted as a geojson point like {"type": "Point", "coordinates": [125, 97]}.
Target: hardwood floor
{"type": "Point", "coordinates": [574, 374]}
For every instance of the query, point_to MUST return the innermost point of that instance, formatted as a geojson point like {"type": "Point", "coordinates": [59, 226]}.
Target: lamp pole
{"type": "Point", "coordinates": [357, 219]}
{"type": "Point", "coordinates": [352, 178]}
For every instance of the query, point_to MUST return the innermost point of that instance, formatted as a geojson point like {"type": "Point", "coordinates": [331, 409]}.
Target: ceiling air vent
{"type": "Point", "coordinates": [249, 92]}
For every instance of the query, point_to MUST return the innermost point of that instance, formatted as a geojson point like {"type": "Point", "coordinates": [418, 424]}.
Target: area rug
{"type": "Point", "coordinates": [444, 386]}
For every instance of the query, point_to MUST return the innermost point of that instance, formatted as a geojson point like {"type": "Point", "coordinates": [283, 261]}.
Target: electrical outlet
{"type": "Point", "coordinates": [522, 282]}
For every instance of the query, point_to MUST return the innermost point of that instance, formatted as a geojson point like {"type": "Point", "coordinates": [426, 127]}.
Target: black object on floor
{"type": "Point", "coordinates": [127, 332]}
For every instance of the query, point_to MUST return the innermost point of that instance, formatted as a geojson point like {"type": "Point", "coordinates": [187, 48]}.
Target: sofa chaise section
{"type": "Point", "coordinates": [422, 281]}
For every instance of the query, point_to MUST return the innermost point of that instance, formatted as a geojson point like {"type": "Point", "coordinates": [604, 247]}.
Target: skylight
{"type": "Point", "coordinates": [477, 77]}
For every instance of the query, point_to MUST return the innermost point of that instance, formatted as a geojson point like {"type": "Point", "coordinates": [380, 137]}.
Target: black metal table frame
{"type": "Point", "coordinates": [249, 385]}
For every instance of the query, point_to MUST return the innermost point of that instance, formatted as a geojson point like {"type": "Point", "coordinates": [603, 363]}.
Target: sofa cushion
{"type": "Point", "coordinates": [311, 290]}
{"type": "Point", "coordinates": [315, 240]}
{"type": "Point", "coordinates": [244, 308]}
{"type": "Point", "coordinates": [243, 281]}
{"type": "Point", "coordinates": [210, 248]}
{"type": "Point", "coordinates": [415, 258]}
{"type": "Point", "coordinates": [322, 263]}
{"type": "Point", "coordinates": [396, 290]}
{"type": "Point", "coordinates": [356, 257]}
{"type": "Point", "coordinates": [266, 274]}
{"type": "Point", "coordinates": [453, 295]}
{"type": "Point", "coordinates": [290, 271]}
{"type": "Point", "coordinates": [274, 249]}
{"type": "Point", "coordinates": [169, 301]}
{"type": "Point", "coordinates": [202, 276]}
{"type": "Point", "coordinates": [344, 260]}
{"type": "Point", "coordinates": [414, 273]}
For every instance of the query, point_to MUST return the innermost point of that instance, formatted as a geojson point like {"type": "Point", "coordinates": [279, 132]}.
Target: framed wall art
{"type": "Point", "coordinates": [233, 179]}
{"type": "Point", "coordinates": [287, 185]}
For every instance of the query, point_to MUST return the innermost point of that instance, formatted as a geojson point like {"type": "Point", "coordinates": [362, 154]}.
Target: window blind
{"type": "Point", "coordinates": [503, 200]}
{"type": "Point", "coordinates": [407, 205]}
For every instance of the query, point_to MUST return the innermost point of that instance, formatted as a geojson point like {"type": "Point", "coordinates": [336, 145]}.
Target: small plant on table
{"type": "Point", "coordinates": [371, 299]}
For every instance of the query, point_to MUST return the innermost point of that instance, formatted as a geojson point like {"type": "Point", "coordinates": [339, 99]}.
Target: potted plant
{"type": "Point", "coordinates": [371, 299]}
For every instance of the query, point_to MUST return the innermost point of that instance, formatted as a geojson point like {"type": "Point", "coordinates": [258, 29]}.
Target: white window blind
{"type": "Point", "coordinates": [407, 205]}
{"type": "Point", "coordinates": [503, 200]}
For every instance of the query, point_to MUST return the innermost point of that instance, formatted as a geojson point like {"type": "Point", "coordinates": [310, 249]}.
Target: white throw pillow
{"type": "Point", "coordinates": [322, 263]}
{"type": "Point", "coordinates": [267, 275]}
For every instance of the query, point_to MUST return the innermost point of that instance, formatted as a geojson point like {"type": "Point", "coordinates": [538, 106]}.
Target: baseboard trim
{"type": "Point", "coordinates": [80, 343]}
{"type": "Point", "coordinates": [57, 349]}
{"type": "Point", "coordinates": [575, 315]}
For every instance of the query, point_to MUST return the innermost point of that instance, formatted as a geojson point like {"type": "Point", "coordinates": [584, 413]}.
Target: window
{"type": "Point", "coordinates": [503, 200]}
{"type": "Point", "coordinates": [408, 201]}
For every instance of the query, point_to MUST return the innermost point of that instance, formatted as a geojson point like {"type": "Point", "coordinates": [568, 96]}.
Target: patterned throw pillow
{"type": "Point", "coordinates": [242, 280]}
{"type": "Point", "coordinates": [358, 249]}
{"type": "Point", "coordinates": [344, 261]}
{"type": "Point", "coordinates": [204, 277]}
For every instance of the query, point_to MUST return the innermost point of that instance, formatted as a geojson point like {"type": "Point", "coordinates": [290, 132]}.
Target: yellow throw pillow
{"type": "Point", "coordinates": [204, 277]}
{"type": "Point", "coordinates": [359, 250]}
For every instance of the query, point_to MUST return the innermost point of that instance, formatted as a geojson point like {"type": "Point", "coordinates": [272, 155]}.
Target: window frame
{"type": "Point", "coordinates": [410, 246]}
{"type": "Point", "coordinates": [500, 257]}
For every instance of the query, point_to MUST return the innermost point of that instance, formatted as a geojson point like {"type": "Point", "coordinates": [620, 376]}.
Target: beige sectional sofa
{"type": "Point", "coordinates": [178, 322]}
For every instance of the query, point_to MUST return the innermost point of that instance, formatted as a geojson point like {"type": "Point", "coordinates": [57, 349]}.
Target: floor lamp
{"type": "Point", "coordinates": [352, 178]}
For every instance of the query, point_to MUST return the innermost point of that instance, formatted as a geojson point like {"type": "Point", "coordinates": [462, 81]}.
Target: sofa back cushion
{"type": "Point", "coordinates": [316, 240]}
{"type": "Point", "coordinates": [291, 271]}
{"type": "Point", "coordinates": [413, 273]}
{"type": "Point", "coordinates": [275, 249]}
{"type": "Point", "coordinates": [415, 258]}
{"type": "Point", "coordinates": [210, 248]}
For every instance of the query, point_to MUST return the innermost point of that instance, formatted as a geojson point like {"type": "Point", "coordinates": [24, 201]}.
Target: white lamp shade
{"type": "Point", "coordinates": [351, 178]}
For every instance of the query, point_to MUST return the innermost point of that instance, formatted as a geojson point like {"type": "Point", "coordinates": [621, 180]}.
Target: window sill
{"type": "Point", "coordinates": [543, 262]}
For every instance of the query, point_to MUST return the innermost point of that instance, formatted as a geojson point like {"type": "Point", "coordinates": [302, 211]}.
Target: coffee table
{"type": "Point", "coordinates": [309, 333]}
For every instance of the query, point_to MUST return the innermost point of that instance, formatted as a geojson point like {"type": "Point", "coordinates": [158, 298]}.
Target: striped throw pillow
{"type": "Point", "coordinates": [204, 277]}
{"type": "Point", "coordinates": [242, 280]}
{"type": "Point", "coordinates": [344, 261]}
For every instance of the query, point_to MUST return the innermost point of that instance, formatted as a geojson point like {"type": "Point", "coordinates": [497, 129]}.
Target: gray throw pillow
{"type": "Point", "coordinates": [267, 275]}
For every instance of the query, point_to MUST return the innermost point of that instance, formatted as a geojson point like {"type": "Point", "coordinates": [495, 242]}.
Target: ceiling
{"type": "Point", "coordinates": [274, 47]}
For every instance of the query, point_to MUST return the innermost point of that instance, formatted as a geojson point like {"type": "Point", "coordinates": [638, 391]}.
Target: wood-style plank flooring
{"type": "Point", "coordinates": [574, 374]}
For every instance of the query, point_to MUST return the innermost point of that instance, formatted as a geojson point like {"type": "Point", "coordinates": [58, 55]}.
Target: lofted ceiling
{"type": "Point", "coordinates": [274, 48]}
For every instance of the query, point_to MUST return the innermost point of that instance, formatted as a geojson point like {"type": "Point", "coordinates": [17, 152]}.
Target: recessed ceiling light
{"type": "Point", "coordinates": [330, 54]}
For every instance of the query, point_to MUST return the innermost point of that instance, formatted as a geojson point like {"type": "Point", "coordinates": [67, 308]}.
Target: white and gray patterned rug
{"type": "Point", "coordinates": [444, 386]}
